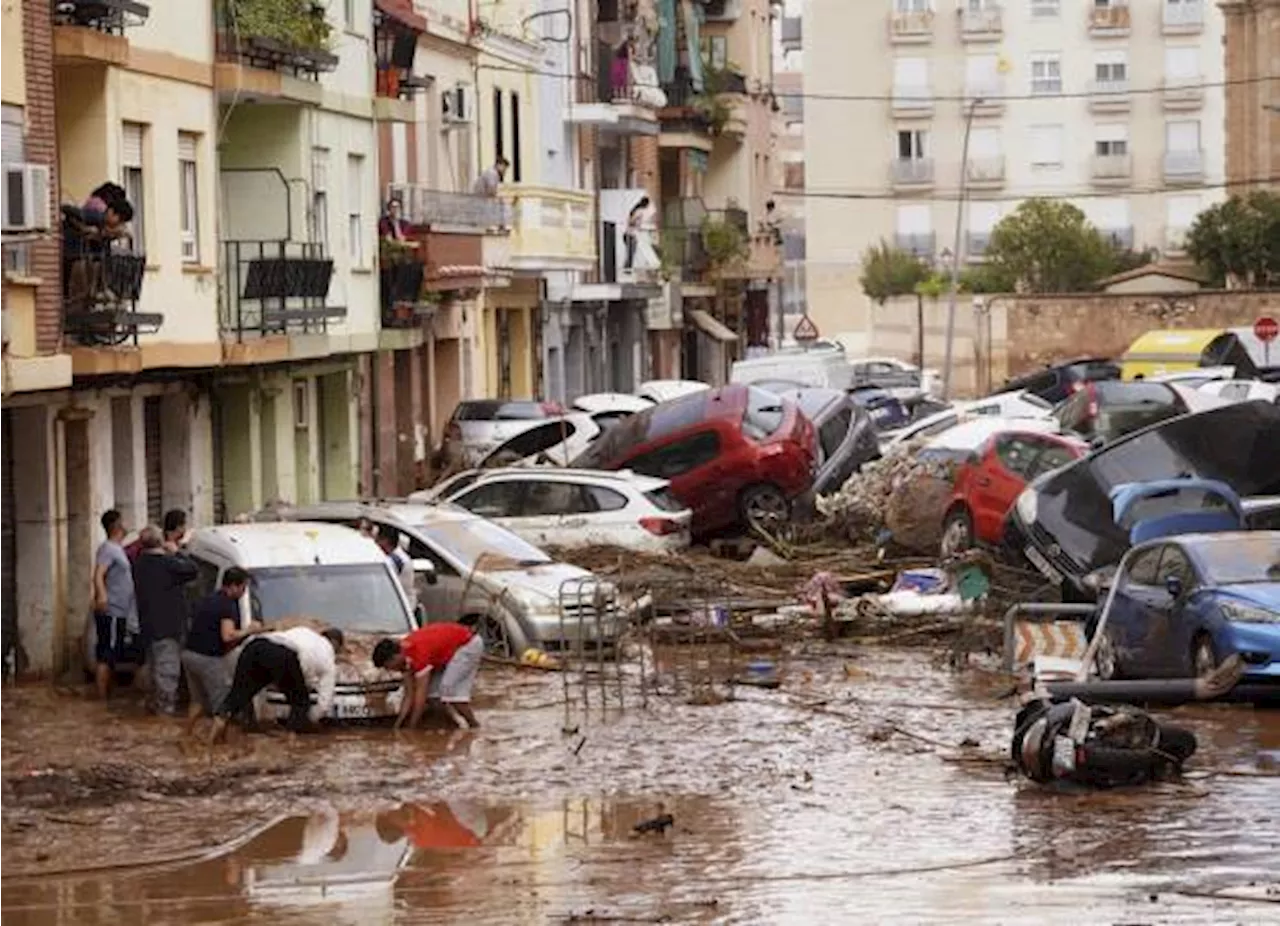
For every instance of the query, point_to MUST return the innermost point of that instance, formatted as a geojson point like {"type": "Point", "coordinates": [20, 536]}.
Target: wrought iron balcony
{"type": "Point", "coordinates": [275, 287]}
{"type": "Point", "coordinates": [109, 16]}
{"type": "Point", "coordinates": [400, 287]}
{"type": "Point", "coordinates": [682, 244]}
{"type": "Point", "coordinates": [101, 288]}
{"type": "Point", "coordinates": [249, 31]}
{"type": "Point", "coordinates": [985, 24]}
{"type": "Point", "coordinates": [909, 172]}
{"type": "Point", "coordinates": [1112, 19]}
{"type": "Point", "coordinates": [438, 209]}
{"type": "Point", "coordinates": [911, 26]}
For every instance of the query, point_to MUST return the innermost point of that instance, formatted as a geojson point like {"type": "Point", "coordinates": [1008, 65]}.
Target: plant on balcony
{"type": "Point", "coordinates": [725, 243]}
{"type": "Point", "coordinates": [728, 79]}
{"type": "Point", "coordinates": [1238, 241]}
{"type": "Point", "coordinates": [298, 24]}
{"type": "Point", "coordinates": [392, 252]}
{"type": "Point", "coordinates": [714, 110]}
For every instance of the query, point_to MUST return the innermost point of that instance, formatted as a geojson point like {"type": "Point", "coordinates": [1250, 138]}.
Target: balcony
{"type": "Point", "coordinates": [94, 30]}
{"type": "Point", "coordinates": [1120, 238]}
{"type": "Point", "coordinates": [912, 173]}
{"type": "Point", "coordinates": [400, 288]}
{"type": "Point", "coordinates": [1184, 166]}
{"type": "Point", "coordinates": [552, 229]}
{"type": "Point", "coordinates": [616, 279]}
{"type": "Point", "coordinates": [396, 28]}
{"type": "Point", "coordinates": [986, 97]}
{"type": "Point", "coordinates": [1112, 169]}
{"type": "Point", "coordinates": [976, 244]}
{"type": "Point", "coordinates": [728, 108]}
{"type": "Point", "coordinates": [439, 210]}
{"type": "Point", "coordinates": [275, 288]}
{"type": "Point", "coordinates": [682, 245]}
{"type": "Point", "coordinates": [986, 172]}
{"type": "Point", "coordinates": [1183, 93]}
{"type": "Point", "coordinates": [984, 25]}
{"type": "Point", "coordinates": [272, 50]}
{"type": "Point", "coordinates": [101, 288]}
{"type": "Point", "coordinates": [792, 33]}
{"type": "Point", "coordinates": [911, 28]}
{"type": "Point", "coordinates": [920, 244]}
{"type": "Point", "coordinates": [1183, 18]}
{"type": "Point", "coordinates": [1111, 21]}
{"type": "Point", "coordinates": [721, 11]}
{"type": "Point", "coordinates": [1109, 96]}
{"type": "Point", "coordinates": [687, 120]}
{"type": "Point", "coordinates": [623, 99]}
{"type": "Point", "coordinates": [912, 102]}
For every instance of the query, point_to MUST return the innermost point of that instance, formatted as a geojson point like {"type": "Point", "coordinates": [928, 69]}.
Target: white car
{"type": "Point", "coordinates": [1020, 405]}
{"type": "Point", "coordinates": [553, 507]}
{"type": "Point", "coordinates": [664, 390]}
{"type": "Point", "coordinates": [903, 380]}
{"type": "Point", "coordinates": [477, 426]}
{"type": "Point", "coordinates": [608, 408]}
{"type": "Point", "coordinates": [1242, 390]}
{"type": "Point", "coordinates": [556, 440]}
{"type": "Point", "coordinates": [1194, 379]}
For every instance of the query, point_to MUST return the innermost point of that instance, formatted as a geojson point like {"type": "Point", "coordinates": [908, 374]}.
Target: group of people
{"type": "Point", "coordinates": [141, 613]}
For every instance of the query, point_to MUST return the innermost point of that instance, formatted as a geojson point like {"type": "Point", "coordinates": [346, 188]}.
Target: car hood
{"type": "Point", "coordinates": [538, 587]}
{"type": "Point", "coordinates": [1260, 594]}
{"type": "Point", "coordinates": [355, 662]}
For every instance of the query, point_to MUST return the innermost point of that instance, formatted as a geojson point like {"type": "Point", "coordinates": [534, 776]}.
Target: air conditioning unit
{"type": "Point", "coordinates": [26, 197]}
{"type": "Point", "coordinates": [456, 105]}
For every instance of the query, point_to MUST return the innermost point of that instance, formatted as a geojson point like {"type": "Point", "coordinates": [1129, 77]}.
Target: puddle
{"type": "Point", "coordinates": [781, 815]}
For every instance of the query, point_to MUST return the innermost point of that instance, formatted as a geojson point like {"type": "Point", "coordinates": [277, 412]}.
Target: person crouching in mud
{"type": "Point", "coordinates": [294, 661]}
{"type": "Point", "coordinates": [439, 662]}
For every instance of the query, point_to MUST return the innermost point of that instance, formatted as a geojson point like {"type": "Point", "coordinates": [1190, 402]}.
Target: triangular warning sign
{"type": "Point", "coordinates": [805, 330]}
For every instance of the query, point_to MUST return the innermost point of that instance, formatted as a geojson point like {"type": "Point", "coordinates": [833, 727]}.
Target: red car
{"type": "Point", "coordinates": [733, 455]}
{"type": "Point", "coordinates": [990, 480]}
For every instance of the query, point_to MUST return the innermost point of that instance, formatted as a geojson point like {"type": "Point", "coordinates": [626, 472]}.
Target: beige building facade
{"type": "Point", "coordinates": [1115, 106]}
{"type": "Point", "coordinates": [1253, 95]}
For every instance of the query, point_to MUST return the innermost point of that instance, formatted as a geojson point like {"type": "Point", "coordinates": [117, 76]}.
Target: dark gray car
{"type": "Point", "coordinates": [846, 434]}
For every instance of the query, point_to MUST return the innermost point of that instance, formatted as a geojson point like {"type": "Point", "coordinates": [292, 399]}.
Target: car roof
{"type": "Point", "coordinates": [972, 434]}
{"type": "Point", "coordinates": [406, 512]}
{"type": "Point", "coordinates": [625, 477]}
{"type": "Point", "coordinates": [814, 401]}
{"type": "Point", "coordinates": [260, 545]}
{"type": "Point", "coordinates": [596, 402]}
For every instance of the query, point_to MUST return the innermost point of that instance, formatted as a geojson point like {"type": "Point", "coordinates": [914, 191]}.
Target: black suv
{"type": "Point", "coordinates": [1057, 383]}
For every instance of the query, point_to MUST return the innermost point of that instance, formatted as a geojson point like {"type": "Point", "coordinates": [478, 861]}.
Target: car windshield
{"type": "Point", "coordinates": [764, 414]}
{"type": "Point", "coordinates": [358, 597]}
{"type": "Point", "coordinates": [501, 411]}
{"type": "Point", "coordinates": [1254, 558]}
{"type": "Point", "coordinates": [469, 539]}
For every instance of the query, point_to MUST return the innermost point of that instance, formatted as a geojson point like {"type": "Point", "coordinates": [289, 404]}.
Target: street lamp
{"type": "Point", "coordinates": [955, 262]}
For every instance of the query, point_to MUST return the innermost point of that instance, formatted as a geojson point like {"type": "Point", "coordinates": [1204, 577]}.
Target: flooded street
{"type": "Point", "coordinates": [845, 796]}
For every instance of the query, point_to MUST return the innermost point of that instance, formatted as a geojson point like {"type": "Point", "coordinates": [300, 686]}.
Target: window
{"type": "Point", "coordinates": [320, 198]}
{"type": "Point", "coordinates": [912, 144]}
{"type": "Point", "coordinates": [1142, 568]}
{"type": "Point", "coordinates": [188, 149]}
{"type": "Point", "coordinates": [1174, 564]}
{"type": "Point", "coordinates": [1111, 68]}
{"type": "Point", "coordinates": [607, 499]}
{"type": "Point", "coordinates": [984, 142]}
{"type": "Point", "coordinates": [493, 499]}
{"type": "Point", "coordinates": [911, 77]}
{"type": "Point", "coordinates": [715, 51]}
{"type": "Point", "coordinates": [16, 256]}
{"type": "Point", "coordinates": [1017, 453]}
{"type": "Point", "coordinates": [515, 138]}
{"type": "Point", "coordinates": [1111, 140]}
{"type": "Point", "coordinates": [834, 430]}
{"type": "Point", "coordinates": [1110, 215]}
{"type": "Point", "coordinates": [679, 457]}
{"type": "Point", "coordinates": [1180, 213]}
{"type": "Point", "coordinates": [550, 499]}
{"type": "Point", "coordinates": [1044, 9]}
{"type": "Point", "coordinates": [349, 14]}
{"type": "Point", "coordinates": [1046, 74]}
{"type": "Point", "coordinates": [914, 219]}
{"type": "Point", "coordinates": [133, 180]}
{"type": "Point", "coordinates": [1182, 64]}
{"type": "Point", "coordinates": [499, 148]}
{"type": "Point", "coordinates": [1182, 136]}
{"type": "Point", "coordinates": [982, 75]}
{"type": "Point", "coordinates": [763, 416]}
{"type": "Point", "coordinates": [355, 221]}
{"type": "Point", "coordinates": [1053, 456]}
{"type": "Point", "coordinates": [1046, 147]}
{"type": "Point", "coordinates": [912, 6]}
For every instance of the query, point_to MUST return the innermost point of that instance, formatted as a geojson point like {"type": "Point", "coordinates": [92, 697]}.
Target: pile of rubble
{"type": "Point", "coordinates": [899, 492]}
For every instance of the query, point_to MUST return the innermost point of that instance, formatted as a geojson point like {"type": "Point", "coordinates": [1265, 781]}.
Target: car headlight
{"type": "Point", "coordinates": [1026, 505]}
{"type": "Point", "coordinates": [1240, 613]}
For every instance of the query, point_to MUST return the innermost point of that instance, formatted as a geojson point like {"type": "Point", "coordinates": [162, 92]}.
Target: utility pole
{"type": "Point", "coordinates": [955, 254]}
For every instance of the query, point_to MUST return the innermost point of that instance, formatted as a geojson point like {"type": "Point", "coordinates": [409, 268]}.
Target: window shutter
{"type": "Point", "coordinates": [15, 149]}
{"type": "Point", "coordinates": [131, 144]}
{"type": "Point", "coordinates": [188, 142]}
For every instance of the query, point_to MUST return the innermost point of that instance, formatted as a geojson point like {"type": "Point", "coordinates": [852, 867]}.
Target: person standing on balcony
{"type": "Point", "coordinates": [620, 72]}
{"type": "Point", "coordinates": [391, 226]}
{"type": "Point", "coordinates": [488, 182]}
{"type": "Point", "coordinates": [639, 237]}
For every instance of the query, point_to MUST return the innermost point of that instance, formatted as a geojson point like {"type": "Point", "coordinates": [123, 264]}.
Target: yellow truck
{"type": "Point", "coordinates": [1178, 350]}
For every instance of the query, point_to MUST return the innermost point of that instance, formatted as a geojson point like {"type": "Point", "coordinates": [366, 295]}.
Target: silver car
{"type": "Point", "coordinates": [477, 426]}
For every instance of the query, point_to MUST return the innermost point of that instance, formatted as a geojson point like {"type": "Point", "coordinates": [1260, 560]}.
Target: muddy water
{"type": "Point", "coordinates": [782, 814]}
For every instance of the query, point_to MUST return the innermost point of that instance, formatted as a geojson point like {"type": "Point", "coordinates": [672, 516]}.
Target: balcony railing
{"type": "Point", "coordinates": [912, 171]}
{"type": "Point", "coordinates": [109, 16]}
{"type": "Point", "coordinates": [275, 287]}
{"type": "Point", "coordinates": [1183, 165]}
{"type": "Point", "coordinates": [921, 244]}
{"type": "Point", "coordinates": [438, 209]}
{"type": "Point", "coordinates": [296, 45]}
{"type": "Point", "coordinates": [986, 170]}
{"type": "Point", "coordinates": [981, 25]}
{"type": "Point", "coordinates": [911, 26]}
{"type": "Point", "coordinates": [1183, 17]}
{"type": "Point", "coordinates": [102, 283]}
{"type": "Point", "coordinates": [682, 244]}
{"type": "Point", "coordinates": [1111, 94]}
{"type": "Point", "coordinates": [1110, 167]}
{"type": "Point", "coordinates": [1112, 19]}
{"type": "Point", "coordinates": [551, 228]}
{"type": "Point", "coordinates": [1183, 92]}
{"type": "Point", "coordinates": [400, 281]}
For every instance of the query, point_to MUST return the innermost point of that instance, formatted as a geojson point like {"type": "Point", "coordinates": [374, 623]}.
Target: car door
{"type": "Point", "coordinates": [997, 482]}
{"type": "Point", "coordinates": [440, 600]}
{"type": "Point", "coordinates": [496, 499]}
{"type": "Point", "coordinates": [553, 513]}
{"type": "Point", "coordinates": [684, 461]}
{"type": "Point", "coordinates": [1171, 630]}
{"type": "Point", "coordinates": [1129, 616]}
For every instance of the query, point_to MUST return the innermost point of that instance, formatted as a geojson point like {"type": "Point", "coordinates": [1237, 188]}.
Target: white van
{"type": "Point", "coordinates": [327, 572]}
{"type": "Point", "coordinates": [822, 367]}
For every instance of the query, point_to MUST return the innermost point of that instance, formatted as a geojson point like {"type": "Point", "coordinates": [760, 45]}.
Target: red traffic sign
{"type": "Point", "coordinates": [806, 330]}
{"type": "Point", "coordinates": [1265, 329]}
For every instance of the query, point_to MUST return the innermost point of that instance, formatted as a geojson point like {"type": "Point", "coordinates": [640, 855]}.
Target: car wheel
{"type": "Point", "coordinates": [497, 637]}
{"type": "Point", "coordinates": [764, 506]}
{"type": "Point", "coordinates": [1203, 658]}
{"type": "Point", "coordinates": [1105, 659]}
{"type": "Point", "coordinates": [957, 532]}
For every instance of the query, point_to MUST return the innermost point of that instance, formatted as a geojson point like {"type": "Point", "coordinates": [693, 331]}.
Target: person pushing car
{"type": "Point", "coordinates": [439, 662]}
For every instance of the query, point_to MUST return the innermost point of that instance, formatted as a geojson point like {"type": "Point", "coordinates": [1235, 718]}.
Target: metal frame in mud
{"type": "Point", "coordinates": [588, 607]}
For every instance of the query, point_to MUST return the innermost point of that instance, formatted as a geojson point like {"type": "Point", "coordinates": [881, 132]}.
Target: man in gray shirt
{"type": "Point", "coordinates": [488, 182]}
{"type": "Point", "coordinates": [115, 605]}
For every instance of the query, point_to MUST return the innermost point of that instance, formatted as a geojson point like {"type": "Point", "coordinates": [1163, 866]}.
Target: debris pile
{"type": "Point", "coordinates": [901, 492]}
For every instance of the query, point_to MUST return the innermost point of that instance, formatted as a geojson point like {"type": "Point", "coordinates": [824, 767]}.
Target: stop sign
{"type": "Point", "coordinates": [1266, 329]}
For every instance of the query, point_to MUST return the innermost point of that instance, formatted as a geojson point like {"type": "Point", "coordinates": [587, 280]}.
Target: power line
{"type": "Point", "coordinates": [964, 98]}
{"type": "Point", "coordinates": [975, 196]}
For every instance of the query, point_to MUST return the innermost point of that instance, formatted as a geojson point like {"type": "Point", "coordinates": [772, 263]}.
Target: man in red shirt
{"type": "Point", "coordinates": [445, 653]}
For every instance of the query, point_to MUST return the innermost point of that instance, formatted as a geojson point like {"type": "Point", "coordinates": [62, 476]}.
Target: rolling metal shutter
{"type": "Point", "coordinates": [153, 461]}
{"type": "Point", "coordinates": [219, 488]}
{"type": "Point", "coordinates": [8, 534]}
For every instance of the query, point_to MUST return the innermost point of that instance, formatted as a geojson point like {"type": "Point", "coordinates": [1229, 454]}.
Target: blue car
{"type": "Point", "coordinates": [1181, 604]}
{"type": "Point", "coordinates": [886, 410]}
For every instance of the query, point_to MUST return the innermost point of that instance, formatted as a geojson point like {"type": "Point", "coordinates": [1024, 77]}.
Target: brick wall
{"type": "Point", "coordinates": [37, 28]}
{"type": "Point", "coordinates": [644, 157]}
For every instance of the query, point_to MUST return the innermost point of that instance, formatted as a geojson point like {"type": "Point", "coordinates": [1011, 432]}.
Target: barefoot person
{"type": "Point", "coordinates": [294, 661]}
{"type": "Point", "coordinates": [439, 661]}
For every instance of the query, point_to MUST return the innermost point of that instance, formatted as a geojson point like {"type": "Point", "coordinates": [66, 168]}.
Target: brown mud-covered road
{"type": "Point", "coordinates": [844, 797]}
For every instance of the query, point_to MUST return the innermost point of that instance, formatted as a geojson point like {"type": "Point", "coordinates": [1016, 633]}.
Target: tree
{"type": "Point", "coordinates": [888, 271]}
{"type": "Point", "coordinates": [1239, 240]}
{"type": "Point", "coordinates": [1047, 246]}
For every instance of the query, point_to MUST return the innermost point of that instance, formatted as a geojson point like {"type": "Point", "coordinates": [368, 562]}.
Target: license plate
{"type": "Point", "coordinates": [352, 711]}
{"type": "Point", "coordinates": [1064, 755]}
{"type": "Point", "coordinates": [1078, 729]}
{"type": "Point", "coordinates": [1042, 564]}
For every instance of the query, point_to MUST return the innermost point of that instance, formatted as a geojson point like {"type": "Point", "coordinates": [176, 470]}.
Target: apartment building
{"type": "Point", "coordinates": [789, 84]}
{"type": "Point", "coordinates": [1253, 91]}
{"type": "Point", "coordinates": [1118, 108]}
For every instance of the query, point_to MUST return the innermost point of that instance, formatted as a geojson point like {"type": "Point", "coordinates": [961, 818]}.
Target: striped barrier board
{"type": "Point", "coordinates": [1063, 639]}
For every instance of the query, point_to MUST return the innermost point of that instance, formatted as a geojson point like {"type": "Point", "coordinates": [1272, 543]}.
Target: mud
{"type": "Point", "coordinates": [869, 788]}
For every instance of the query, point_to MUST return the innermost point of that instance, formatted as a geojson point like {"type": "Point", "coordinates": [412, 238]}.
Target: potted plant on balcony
{"type": "Point", "coordinates": [724, 242]}
{"type": "Point", "coordinates": [400, 275]}
{"type": "Point", "coordinates": [292, 32]}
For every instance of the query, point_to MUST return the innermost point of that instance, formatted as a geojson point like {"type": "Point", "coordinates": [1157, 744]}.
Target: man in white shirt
{"type": "Point", "coordinates": [389, 542]}
{"type": "Point", "coordinates": [294, 661]}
